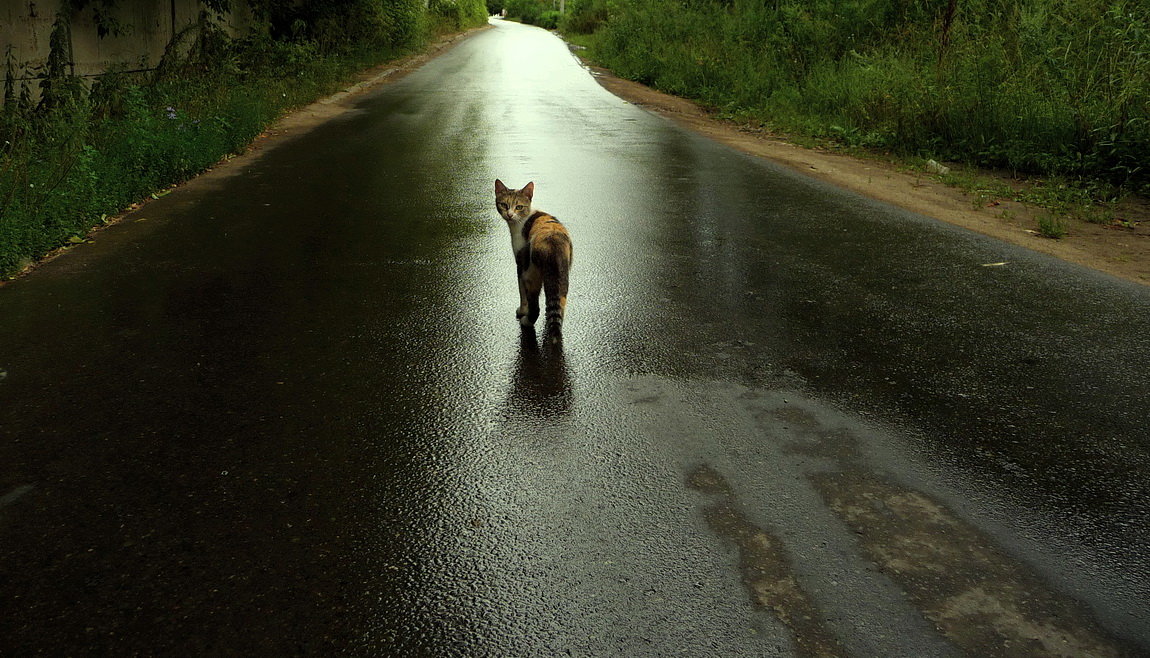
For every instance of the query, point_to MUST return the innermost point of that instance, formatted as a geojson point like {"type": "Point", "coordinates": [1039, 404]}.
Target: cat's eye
{"type": "Point", "coordinates": [502, 205]}
{"type": "Point", "coordinates": [519, 207]}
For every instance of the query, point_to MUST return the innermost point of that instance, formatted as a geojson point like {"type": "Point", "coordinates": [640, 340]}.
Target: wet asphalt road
{"type": "Point", "coordinates": [290, 411]}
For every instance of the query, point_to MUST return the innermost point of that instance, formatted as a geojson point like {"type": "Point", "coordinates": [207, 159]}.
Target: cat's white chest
{"type": "Point", "coordinates": [517, 239]}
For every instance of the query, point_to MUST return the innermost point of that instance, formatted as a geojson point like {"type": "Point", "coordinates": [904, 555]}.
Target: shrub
{"type": "Point", "coordinates": [583, 16]}
{"type": "Point", "coordinates": [548, 20]}
{"type": "Point", "coordinates": [1051, 227]}
{"type": "Point", "coordinates": [527, 11]}
{"type": "Point", "coordinates": [452, 15]}
{"type": "Point", "coordinates": [338, 24]}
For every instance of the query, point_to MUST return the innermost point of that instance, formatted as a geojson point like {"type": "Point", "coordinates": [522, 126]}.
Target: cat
{"type": "Point", "coordinates": [543, 253]}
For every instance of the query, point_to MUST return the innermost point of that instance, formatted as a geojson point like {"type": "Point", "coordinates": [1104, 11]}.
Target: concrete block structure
{"type": "Point", "coordinates": [145, 29]}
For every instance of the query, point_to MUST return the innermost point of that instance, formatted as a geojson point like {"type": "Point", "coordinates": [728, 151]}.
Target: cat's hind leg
{"type": "Point", "coordinates": [555, 269]}
{"type": "Point", "coordinates": [532, 286]}
{"type": "Point", "coordinates": [522, 310]}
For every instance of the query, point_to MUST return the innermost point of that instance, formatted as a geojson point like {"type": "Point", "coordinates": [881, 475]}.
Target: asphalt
{"type": "Point", "coordinates": [290, 411]}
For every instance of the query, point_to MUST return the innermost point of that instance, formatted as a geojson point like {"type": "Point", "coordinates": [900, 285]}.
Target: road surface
{"type": "Point", "coordinates": [290, 411]}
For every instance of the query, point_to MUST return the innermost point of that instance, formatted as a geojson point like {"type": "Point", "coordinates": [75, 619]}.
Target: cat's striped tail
{"type": "Point", "coordinates": [555, 276]}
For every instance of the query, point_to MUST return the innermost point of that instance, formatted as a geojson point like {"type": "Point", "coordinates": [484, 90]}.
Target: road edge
{"type": "Point", "coordinates": [1010, 221]}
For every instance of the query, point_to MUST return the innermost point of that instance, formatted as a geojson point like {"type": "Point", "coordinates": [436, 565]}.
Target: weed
{"type": "Point", "coordinates": [1050, 226]}
{"type": "Point", "coordinates": [583, 16]}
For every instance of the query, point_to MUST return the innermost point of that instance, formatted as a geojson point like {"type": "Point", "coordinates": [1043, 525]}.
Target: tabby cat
{"type": "Point", "coordinates": [542, 249]}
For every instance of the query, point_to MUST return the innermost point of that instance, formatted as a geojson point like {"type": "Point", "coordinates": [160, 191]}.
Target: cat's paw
{"type": "Point", "coordinates": [522, 311]}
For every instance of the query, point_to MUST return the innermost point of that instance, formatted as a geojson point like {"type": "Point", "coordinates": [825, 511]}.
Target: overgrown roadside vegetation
{"type": "Point", "coordinates": [543, 13]}
{"type": "Point", "coordinates": [1052, 92]}
{"type": "Point", "coordinates": [83, 151]}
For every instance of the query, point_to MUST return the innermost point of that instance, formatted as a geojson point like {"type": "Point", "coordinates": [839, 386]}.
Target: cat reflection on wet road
{"type": "Point", "coordinates": [540, 381]}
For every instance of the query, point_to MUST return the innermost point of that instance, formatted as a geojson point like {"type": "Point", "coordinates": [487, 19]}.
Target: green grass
{"type": "Point", "coordinates": [1043, 87]}
{"type": "Point", "coordinates": [66, 168]}
{"type": "Point", "coordinates": [1084, 198]}
{"type": "Point", "coordinates": [1053, 92]}
{"type": "Point", "coordinates": [1062, 198]}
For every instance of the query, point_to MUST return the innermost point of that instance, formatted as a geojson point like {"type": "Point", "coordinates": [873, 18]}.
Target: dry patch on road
{"type": "Point", "coordinates": [766, 571]}
{"type": "Point", "coordinates": [828, 542]}
{"type": "Point", "coordinates": [977, 596]}
{"type": "Point", "coordinates": [980, 599]}
{"type": "Point", "coordinates": [1123, 251]}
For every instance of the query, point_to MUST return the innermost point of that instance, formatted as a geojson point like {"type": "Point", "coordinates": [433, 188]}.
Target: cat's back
{"type": "Point", "coordinates": [541, 224]}
{"type": "Point", "coordinates": [544, 232]}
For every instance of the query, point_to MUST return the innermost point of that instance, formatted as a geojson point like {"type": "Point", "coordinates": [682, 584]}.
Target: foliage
{"type": "Point", "coordinates": [583, 16]}
{"type": "Point", "coordinates": [1051, 227]}
{"type": "Point", "coordinates": [527, 11]}
{"type": "Point", "coordinates": [1056, 87]}
{"type": "Point", "coordinates": [534, 12]}
{"type": "Point", "coordinates": [340, 24]}
{"type": "Point", "coordinates": [548, 20]}
{"type": "Point", "coordinates": [452, 15]}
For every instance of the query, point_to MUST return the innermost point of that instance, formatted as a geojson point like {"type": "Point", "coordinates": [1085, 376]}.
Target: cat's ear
{"type": "Point", "coordinates": [529, 189]}
{"type": "Point", "coordinates": [500, 188]}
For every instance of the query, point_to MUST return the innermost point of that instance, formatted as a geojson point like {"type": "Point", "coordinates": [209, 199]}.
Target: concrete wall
{"type": "Point", "coordinates": [25, 25]}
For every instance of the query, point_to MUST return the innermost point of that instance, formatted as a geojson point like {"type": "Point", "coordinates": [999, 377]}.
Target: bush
{"type": "Point", "coordinates": [63, 169]}
{"type": "Point", "coordinates": [527, 11]}
{"type": "Point", "coordinates": [548, 20]}
{"type": "Point", "coordinates": [583, 16]}
{"type": "Point", "coordinates": [453, 15]}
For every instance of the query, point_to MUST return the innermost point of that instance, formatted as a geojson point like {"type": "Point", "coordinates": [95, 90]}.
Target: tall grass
{"type": "Point", "coordinates": [1055, 87]}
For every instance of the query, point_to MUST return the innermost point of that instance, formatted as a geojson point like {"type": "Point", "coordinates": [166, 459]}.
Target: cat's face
{"type": "Point", "coordinates": [513, 205]}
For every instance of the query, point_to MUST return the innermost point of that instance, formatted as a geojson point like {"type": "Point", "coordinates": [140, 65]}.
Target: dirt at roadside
{"type": "Point", "coordinates": [1120, 251]}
